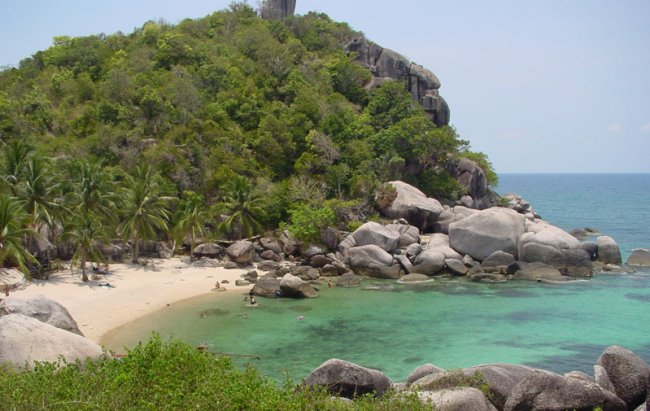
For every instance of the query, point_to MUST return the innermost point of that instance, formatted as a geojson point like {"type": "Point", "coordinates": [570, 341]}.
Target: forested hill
{"type": "Point", "coordinates": [278, 102]}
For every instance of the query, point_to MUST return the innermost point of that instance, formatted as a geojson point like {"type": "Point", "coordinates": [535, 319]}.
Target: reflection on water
{"type": "Point", "coordinates": [395, 328]}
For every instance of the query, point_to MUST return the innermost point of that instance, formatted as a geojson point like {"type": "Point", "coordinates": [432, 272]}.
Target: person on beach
{"type": "Point", "coordinates": [253, 301]}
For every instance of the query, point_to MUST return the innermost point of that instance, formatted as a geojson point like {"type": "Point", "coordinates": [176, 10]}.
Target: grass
{"type": "Point", "coordinates": [168, 375]}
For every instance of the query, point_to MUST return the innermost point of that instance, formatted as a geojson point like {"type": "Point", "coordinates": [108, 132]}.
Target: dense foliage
{"type": "Point", "coordinates": [169, 375]}
{"type": "Point", "coordinates": [265, 119]}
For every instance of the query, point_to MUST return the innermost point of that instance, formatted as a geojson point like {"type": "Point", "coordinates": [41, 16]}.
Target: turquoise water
{"type": "Point", "coordinates": [451, 323]}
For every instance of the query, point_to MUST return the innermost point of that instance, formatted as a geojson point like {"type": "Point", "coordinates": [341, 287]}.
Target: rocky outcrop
{"type": "Point", "coordinates": [372, 233]}
{"type": "Point", "coordinates": [277, 9]}
{"type": "Point", "coordinates": [373, 261]}
{"type": "Point", "coordinates": [451, 215]}
{"type": "Point", "coordinates": [473, 178]}
{"type": "Point", "coordinates": [294, 287]}
{"type": "Point", "coordinates": [348, 380]}
{"type": "Point", "coordinates": [640, 257]}
{"type": "Point", "coordinates": [483, 233]}
{"type": "Point", "coordinates": [43, 309]}
{"type": "Point", "coordinates": [543, 390]}
{"type": "Point", "coordinates": [628, 374]}
{"type": "Point", "coordinates": [457, 399]}
{"type": "Point", "coordinates": [24, 340]}
{"type": "Point", "coordinates": [412, 205]}
{"type": "Point", "coordinates": [386, 64]}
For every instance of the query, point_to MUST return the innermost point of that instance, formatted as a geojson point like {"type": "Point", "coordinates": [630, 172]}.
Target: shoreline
{"type": "Point", "coordinates": [135, 291]}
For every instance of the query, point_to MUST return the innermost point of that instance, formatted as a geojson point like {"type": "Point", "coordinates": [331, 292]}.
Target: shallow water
{"type": "Point", "coordinates": [450, 323]}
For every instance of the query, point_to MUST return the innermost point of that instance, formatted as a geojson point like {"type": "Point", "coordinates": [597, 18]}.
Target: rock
{"type": "Point", "coordinates": [483, 233]}
{"type": "Point", "coordinates": [539, 272]}
{"type": "Point", "coordinates": [498, 258]}
{"type": "Point", "coordinates": [242, 283]}
{"type": "Point", "coordinates": [429, 262]}
{"type": "Point", "coordinates": [230, 265]}
{"type": "Point", "coordinates": [373, 261]}
{"type": "Point", "coordinates": [413, 250]}
{"type": "Point", "coordinates": [24, 340]}
{"type": "Point", "coordinates": [451, 215]}
{"type": "Point", "coordinates": [627, 372]}
{"type": "Point", "coordinates": [209, 250]}
{"type": "Point", "coordinates": [271, 244]}
{"type": "Point", "coordinates": [348, 380]}
{"type": "Point", "coordinates": [489, 278]}
{"type": "Point", "coordinates": [470, 176]}
{"type": "Point", "coordinates": [405, 263]}
{"type": "Point", "coordinates": [330, 237]}
{"type": "Point", "coordinates": [543, 390]}
{"type": "Point", "coordinates": [412, 205]}
{"type": "Point", "coordinates": [241, 252]}
{"type": "Point", "coordinates": [372, 233]}
{"type": "Point", "coordinates": [277, 9]}
{"type": "Point", "coordinates": [271, 256]}
{"type": "Point", "coordinates": [164, 250]}
{"type": "Point", "coordinates": [517, 203]}
{"type": "Point", "coordinates": [268, 265]}
{"type": "Point", "coordinates": [290, 245]}
{"type": "Point", "coordinates": [11, 278]}
{"type": "Point", "coordinates": [579, 375]}
{"type": "Point", "coordinates": [312, 250]}
{"type": "Point", "coordinates": [456, 267]}
{"type": "Point", "coordinates": [319, 261]}
{"type": "Point", "coordinates": [639, 257]}
{"type": "Point", "coordinates": [578, 263]}
{"type": "Point", "coordinates": [591, 249]}
{"type": "Point", "coordinates": [547, 234]}
{"type": "Point", "coordinates": [608, 251]}
{"type": "Point", "coordinates": [457, 399]}
{"type": "Point", "coordinates": [330, 270]}
{"type": "Point", "coordinates": [408, 234]}
{"type": "Point", "coordinates": [266, 286]}
{"type": "Point", "coordinates": [251, 276]}
{"type": "Point", "coordinates": [111, 252]}
{"type": "Point", "coordinates": [540, 253]}
{"type": "Point", "coordinates": [348, 280]}
{"type": "Point", "coordinates": [43, 309]}
{"type": "Point", "coordinates": [499, 379]}
{"type": "Point", "coordinates": [422, 371]}
{"type": "Point", "coordinates": [601, 378]}
{"type": "Point", "coordinates": [414, 278]}
{"type": "Point", "coordinates": [294, 287]}
{"type": "Point", "coordinates": [305, 272]}
{"type": "Point", "coordinates": [209, 263]}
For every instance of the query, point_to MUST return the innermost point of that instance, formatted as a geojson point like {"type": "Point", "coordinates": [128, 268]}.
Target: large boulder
{"type": "Point", "coordinates": [408, 234]}
{"type": "Point", "coordinates": [24, 340]}
{"type": "Point", "coordinates": [421, 372]}
{"type": "Point", "coordinates": [451, 215]}
{"type": "Point", "coordinates": [43, 309]}
{"type": "Point", "coordinates": [627, 372]}
{"type": "Point", "coordinates": [487, 231]}
{"type": "Point", "coordinates": [457, 399]}
{"type": "Point", "coordinates": [209, 250]}
{"type": "Point", "coordinates": [639, 257]}
{"type": "Point", "coordinates": [11, 278]}
{"type": "Point", "coordinates": [539, 272]}
{"type": "Point", "coordinates": [294, 287]}
{"type": "Point", "coordinates": [429, 262]}
{"type": "Point", "coordinates": [499, 379]}
{"type": "Point", "coordinates": [543, 390]}
{"type": "Point", "coordinates": [412, 205]}
{"type": "Point", "coordinates": [267, 286]}
{"type": "Point", "coordinates": [348, 380]}
{"type": "Point", "coordinates": [542, 232]}
{"type": "Point", "coordinates": [498, 258]}
{"type": "Point", "coordinates": [372, 233]}
{"type": "Point", "coordinates": [470, 176]}
{"type": "Point", "coordinates": [241, 252]}
{"type": "Point", "coordinates": [373, 261]}
{"type": "Point", "coordinates": [608, 250]}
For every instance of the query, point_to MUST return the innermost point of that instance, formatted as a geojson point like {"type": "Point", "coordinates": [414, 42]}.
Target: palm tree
{"type": "Point", "coordinates": [93, 190]}
{"type": "Point", "coordinates": [84, 230]}
{"type": "Point", "coordinates": [145, 209]}
{"type": "Point", "coordinates": [38, 191]}
{"type": "Point", "coordinates": [242, 207]}
{"type": "Point", "coordinates": [13, 231]}
{"type": "Point", "coordinates": [190, 218]}
{"type": "Point", "coordinates": [15, 155]}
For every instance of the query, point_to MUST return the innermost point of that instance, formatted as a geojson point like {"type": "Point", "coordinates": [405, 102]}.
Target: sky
{"type": "Point", "coordinates": [554, 86]}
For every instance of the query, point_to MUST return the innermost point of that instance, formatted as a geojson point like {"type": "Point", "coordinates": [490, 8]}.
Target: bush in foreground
{"type": "Point", "coordinates": [169, 375]}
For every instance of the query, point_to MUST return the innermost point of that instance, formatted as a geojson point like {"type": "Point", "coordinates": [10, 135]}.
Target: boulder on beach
{"type": "Point", "coordinates": [412, 205]}
{"type": "Point", "coordinates": [639, 257]}
{"type": "Point", "coordinates": [209, 250]}
{"type": "Point", "coordinates": [24, 340]}
{"type": "Point", "coordinates": [12, 279]}
{"type": "Point", "coordinates": [483, 233]}
{"type": "Point", "coordinates": [457, 399]}
{"type": "Point", "coordinates": [43, 309]}
{"type": "Point", "coordinates": [241, 252]}
{"type": "Point", "coordinates": [544, 390]}
{"type": "Point", "coordinates": [348, 380]}
{"type": "Point", "coordinates": [266, 286]}
{"type": "Point", "coordinates": [628, 374]}
{"type": "Point", "coordinates": [294, 287]}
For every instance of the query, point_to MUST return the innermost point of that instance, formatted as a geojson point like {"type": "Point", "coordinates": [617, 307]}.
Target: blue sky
{"type": "Point", "coordinates": [552, 86]}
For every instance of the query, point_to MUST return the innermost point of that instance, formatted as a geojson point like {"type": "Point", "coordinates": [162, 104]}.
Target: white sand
{"type": "Point", "coordinates": [136, 291]}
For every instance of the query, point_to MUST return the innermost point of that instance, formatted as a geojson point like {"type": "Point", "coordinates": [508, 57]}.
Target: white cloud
{"type": "Point", "coordinates": [615, 128]}
{"type": "Point", "coordinates": [646, 128]}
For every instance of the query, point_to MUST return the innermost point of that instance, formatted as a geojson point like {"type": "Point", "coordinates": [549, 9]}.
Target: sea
{"type": "Point", "coordinates": [452, 323]}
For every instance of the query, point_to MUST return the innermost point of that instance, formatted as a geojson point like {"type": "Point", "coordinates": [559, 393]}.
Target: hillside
{"type": "Point", "coordinates": [277, 102]}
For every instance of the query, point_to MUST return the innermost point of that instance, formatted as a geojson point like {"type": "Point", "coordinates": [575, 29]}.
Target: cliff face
{"type": "Point", "coordinates": [386, 64]}
{"type": "Point", "coordinates": [278, 9]}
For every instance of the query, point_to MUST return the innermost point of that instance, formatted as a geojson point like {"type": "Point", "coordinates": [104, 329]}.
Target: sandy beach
{"type": "Point", "coordinates": [133, 291]}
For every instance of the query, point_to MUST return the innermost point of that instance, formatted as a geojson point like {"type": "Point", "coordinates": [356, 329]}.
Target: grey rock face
{"type": "Point", "coordinates": [43, 309]}
{"type": "Point", "coordinates": [429, 262]}
{"type": "Point", "coordinates": [451, 216]}
{"type": "Point", "coordinates": [412, 205]}
{"type": "Point", "coordinates": [241, 252]}
{"type": "Point", "coordinates": [639, 257]}
{"type": "Point", "coordinates": [470, 176]}
{"type": "Point", "coordinates": [483, 233]}
{"type": "Point", "coordinates": [539, 272]}
{"type": "Point", "coordinates": [24, 340]}
{"type": "Point", "coordinates": [608, 251]}
{"type": "Point", "coordinates": [266, 286]}
{"type": "Point", "coordinates": [627, 372]}
{"type": "Point", "coordinates": [543, 390]}
{"type": "Point", "coordinates": [348, 380]}
{"type": "Point", "coordinates": [372, 233]}
{"type": "Point", "coordinates": [422, 371]}
{"type": "Point", "coordinates": [456, 267]}
{"type": "Point", "coordinates": [348, 280]}
{"type": "Point", "coordinates": [209, 250]}
{"type": "Point", "coordinates": [498, 258]}
{"type": "Point", "coordinates": [278, 9]}
{"type": "Point", "coordinates": [457, 399]}
{"type": "Point", "coordinates": [408, 234]}
{"type": "Point", "coordinates": [373, 261]}
{"type": "Point", "coordinates": [294, 287]}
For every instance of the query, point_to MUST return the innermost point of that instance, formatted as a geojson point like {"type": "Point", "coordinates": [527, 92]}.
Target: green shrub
{"type": "Point", "coordinates": [307, 221]}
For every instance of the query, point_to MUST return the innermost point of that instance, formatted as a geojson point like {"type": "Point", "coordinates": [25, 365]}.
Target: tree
{"type": "Point", "coordinates": [83, 230]}
{"type": "Point", "coordinates": [38, 191]}
{"type": "Point", "coordinates": [93, 190]}
{"type": "Point", "coordinates": [15, 158]}
{"type": "Point", "coordinates": [145, 208]}
{"type": "Point", "coordinates": [242, 206]}
{"type": "Point", "coordinates": [13, 232]}
{"type": "Point", "coordinates": [190, 218]}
